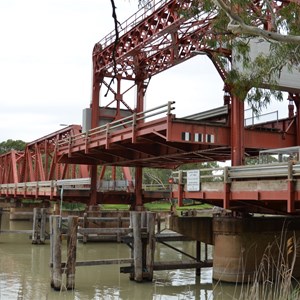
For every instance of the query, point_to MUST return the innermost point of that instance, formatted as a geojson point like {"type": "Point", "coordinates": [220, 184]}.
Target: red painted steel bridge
{"type": "Point", "coordinates": [65, 163]}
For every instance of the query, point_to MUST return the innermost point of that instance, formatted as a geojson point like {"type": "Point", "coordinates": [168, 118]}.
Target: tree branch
{"type": "Point", "coordinates": [238, 26]}
{"type": "Point", "coordinates": [116, 23]}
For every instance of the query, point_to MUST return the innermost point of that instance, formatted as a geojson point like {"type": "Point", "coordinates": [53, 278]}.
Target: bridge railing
{"type": "Point", "coordinates": [157, 187]}
{"type": "Point", "coordinates": [206, 174]}
{"type": "Point", "coordinates": [129, 121]}
{"type": "Point", "coordinates": [286, 170]}
{"type": "Point", "coordinates": [261, 171]}
{"type": "Point", "coordinates": [33, 187]}
{"type": "Point", "coordinates": [114, 185]}
{"type": "Point", "coordinates": [259, 119]}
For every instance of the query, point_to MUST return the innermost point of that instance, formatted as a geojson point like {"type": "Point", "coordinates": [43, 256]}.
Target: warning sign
{"type": "Point", "coordinates": [193, 180]}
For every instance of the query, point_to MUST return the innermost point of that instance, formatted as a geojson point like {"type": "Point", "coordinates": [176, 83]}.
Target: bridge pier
{"type": "Point", "coordinates": [246, 247]}
{"type": "Point", "coordinates": [250, 247]}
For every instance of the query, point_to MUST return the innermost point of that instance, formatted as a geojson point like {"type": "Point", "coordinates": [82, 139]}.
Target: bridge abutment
{"type": "Point", "coordinates": [246, 248]}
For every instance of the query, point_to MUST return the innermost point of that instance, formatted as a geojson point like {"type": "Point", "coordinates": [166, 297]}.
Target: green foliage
{"type": "Point", "coordinates": [165, 206]}
{"type": "Point", "coordinates": [161, 176]}
{"type": "Point", "coordinates": [156, 176]}
{"type": "Point", "coordinates": [73, 206]}
{"type": "Point", "coordinates": [283, 19]}
{"type": "Point", "coordinates": [264, 71]}
{"type": "Point", "coordinates": [9, 145]}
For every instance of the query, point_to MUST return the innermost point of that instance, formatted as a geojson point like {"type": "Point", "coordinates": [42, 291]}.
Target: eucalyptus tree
{"type": "Point", "coordinates": [277, 23]}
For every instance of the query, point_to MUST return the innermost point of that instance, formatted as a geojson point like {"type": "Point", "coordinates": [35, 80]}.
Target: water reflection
{"type": "Point", "coordinates": [25, 273]}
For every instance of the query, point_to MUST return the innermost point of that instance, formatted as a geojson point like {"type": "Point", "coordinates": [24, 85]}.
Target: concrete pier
{"type": "Point", "coordinates": [243, 244]}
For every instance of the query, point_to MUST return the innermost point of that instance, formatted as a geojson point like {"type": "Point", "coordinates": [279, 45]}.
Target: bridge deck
{"type": "Point", "coordinates": [270, 188]}
{"type": "Point", "coordinates": [167, 141]}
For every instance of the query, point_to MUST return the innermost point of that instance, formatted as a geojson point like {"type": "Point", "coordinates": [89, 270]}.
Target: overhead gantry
{"type": "Point", "coordinates": [156, 38]}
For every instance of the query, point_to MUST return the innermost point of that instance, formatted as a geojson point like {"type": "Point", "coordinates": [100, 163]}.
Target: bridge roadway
{"type": "Point", "coordinates": [267, 188]}
{"type": "Point", "coordinates": [78, 190]}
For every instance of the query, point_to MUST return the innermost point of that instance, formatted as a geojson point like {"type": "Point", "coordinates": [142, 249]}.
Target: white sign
{"type": "Point", "coordinates": [193, 180]}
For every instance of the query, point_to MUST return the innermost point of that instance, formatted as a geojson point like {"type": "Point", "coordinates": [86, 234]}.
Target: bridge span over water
{"type": "Point", "coordinates": [58, 165]}
{"type": "Point", "coordinates": [65, 165]}
{"type": "Point", "coordinates": [157, 37]}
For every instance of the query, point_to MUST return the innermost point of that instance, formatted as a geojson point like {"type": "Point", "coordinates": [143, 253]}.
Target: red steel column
{"type": "Point", "coordinates": [94, 123]}
{"type": "Point", "coordinates": [237, 132]}
{"type": "Point", "coordinates": [139, 170]}
{"type": "Point", "coordinates": [138, 187]}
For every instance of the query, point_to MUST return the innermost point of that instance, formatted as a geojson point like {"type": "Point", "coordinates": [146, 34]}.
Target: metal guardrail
{"type": "Point", "coordinates": [80, 183]}
{"type": "Point", "coordinates": [73, 182]}
{"type": "Point", "coordinates": [119, 124]}
{"type": "Point", "coordinates": [259, 171]}
{"type": "Point", "coordinates": [286, 170]}
{"type": "Point", "coordinates": [216, 112]}
{"type": "Point", "coordinates": [49, 184]}
{"type": "Point", "coordinates": [259, 119]}
{"type": "Point", "coordinates": [206, 174]}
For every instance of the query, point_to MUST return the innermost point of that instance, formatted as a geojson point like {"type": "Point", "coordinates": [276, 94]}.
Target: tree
{"type": "Point", "coordinates": [239, 21]}
{"type": "Point", "coordinates": [277, 23]}
{"type": "Point", "coordinates": [9, 145]}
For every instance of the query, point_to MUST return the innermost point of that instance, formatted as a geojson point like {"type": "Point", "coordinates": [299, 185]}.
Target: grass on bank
{"type": "Point", "coordinates": [152, 206]}
{"type": "Point", "coordinates": [156, 206]}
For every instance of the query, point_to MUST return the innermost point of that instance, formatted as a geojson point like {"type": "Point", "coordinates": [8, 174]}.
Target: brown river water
{"type": "Point", "coordinates": [25, 272]}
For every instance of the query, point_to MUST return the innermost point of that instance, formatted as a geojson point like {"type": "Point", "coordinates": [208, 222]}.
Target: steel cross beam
{"type": "Point", "coordinates": [167, 33]}
{"type": "Point", "coordinates": [9, 166]}
{"type": "Point", "coordinates": [39, 161]}
{"type": "Point", "coordinates": [155, 40]}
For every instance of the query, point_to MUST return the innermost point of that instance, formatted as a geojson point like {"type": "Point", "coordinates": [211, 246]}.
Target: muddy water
{"type": "Point", "coordinates": [24, 272]}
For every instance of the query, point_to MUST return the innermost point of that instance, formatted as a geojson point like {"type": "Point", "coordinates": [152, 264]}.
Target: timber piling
{"type": "Point", "coordinates": [39, 225]}
{"type": "Point", "coordinates": [140, 237]}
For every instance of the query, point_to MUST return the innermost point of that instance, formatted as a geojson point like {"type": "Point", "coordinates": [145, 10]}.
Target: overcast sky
{"type": "Point", "coordinates": [45, 66]}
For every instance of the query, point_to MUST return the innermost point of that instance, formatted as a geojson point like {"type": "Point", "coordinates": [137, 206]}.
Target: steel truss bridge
{"type": "Point", "coordinates": [151, 41]}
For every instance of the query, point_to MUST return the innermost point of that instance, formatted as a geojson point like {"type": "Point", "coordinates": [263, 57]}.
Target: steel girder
{"type": "Point", "coordinates": [154, 41]}
{"type": "Point", "coordinates": [168, 142]}
{"type": "Point", "coordinates": [10, 163]}
{"type": "Point", "coordinates": [38, 162]}
{"type": "Point", "coordinates": [167, 34]}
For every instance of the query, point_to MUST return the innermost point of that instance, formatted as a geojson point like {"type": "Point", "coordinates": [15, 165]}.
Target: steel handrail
{"type": "Point", "coordinates": [244, 172]}
{"type": "Point", "coordinates": [103, 129]}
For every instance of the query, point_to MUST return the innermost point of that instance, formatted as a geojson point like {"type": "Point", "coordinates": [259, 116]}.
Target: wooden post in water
{"type": "Point", "coordinates": [158, 218]}
{"type": "Point", "coordinates": [36, 225]}
{"type": "Point", "coordinates": [198, 257]}
{"type": "Point", "coordinates": [43, 225]}
{"type": "Point", "coordinates": [119, 226]}
{"type": "Point", "coordinates": [150, 244]}
{"type": "Point", "coordinates": [55, 252]}
{"type": "Point", "coordinates": [1, 211]}
{"type": "Point", "coordinates": [71, 251]}
{"type": "Point", "coordinates": [85, 225]}
{"type": "Point", "coordinates": [39, 225]}
{"type": "Point", "coordinates": [137, 246]}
